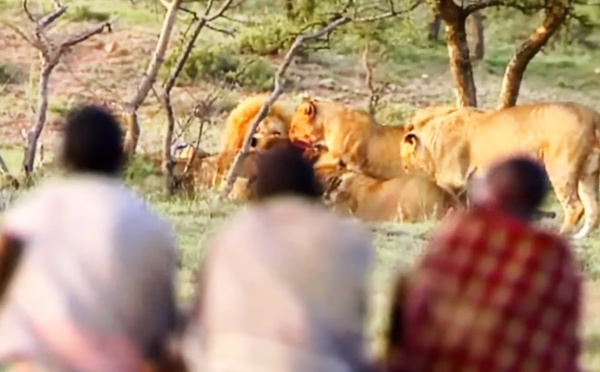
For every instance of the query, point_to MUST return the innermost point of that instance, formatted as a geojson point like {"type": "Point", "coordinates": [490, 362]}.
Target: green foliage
{"type": "Point", "coordinates": [61, 108]}
{"type": "Point", "coordinates": [271, 37]}
{"type": "Point", "coordinates": [139, 168]}
{"type": "Point", "coordinates": [392, 113]}
{"type": "Point", "coordinates": [12, 74]}
{"type": "Point", "coordinates": [85, 14]}
{"type": "Point", "coordinates": [222, 65]}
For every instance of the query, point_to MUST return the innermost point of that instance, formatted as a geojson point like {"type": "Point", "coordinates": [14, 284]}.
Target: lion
{"type": "Point", "coordinates": [238, 122]}
{"type": "Point", "coordinates": [352, 137]}
{"type": "Point", "coordinates": [407, 198]}
{"type": "Point", "coordinates": [565, 136]}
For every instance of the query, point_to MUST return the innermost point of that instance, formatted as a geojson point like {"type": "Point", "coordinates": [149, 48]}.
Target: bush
{"type": "Point", "coordinates": [272, 36]}
{"type": "Point", "coordinates": [224, 66]}
{"type": "Point", "coordinates": [11, 74]}
{"type": "Point", "coordinates": [84, 14]}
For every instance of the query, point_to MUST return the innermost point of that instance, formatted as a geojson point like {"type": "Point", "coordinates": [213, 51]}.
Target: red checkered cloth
{"type": "Point", "coordinates": [493, 294]}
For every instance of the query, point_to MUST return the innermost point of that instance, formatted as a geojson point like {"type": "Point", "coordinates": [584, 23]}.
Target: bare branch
{"type": "Point", "coordinates": [130, 108]}
{"type": "Point", "coordinates": [165, 98]}
{"type": "Point", "coordinates": [31, 41]}
{"type": "Point", "coordinates": [496, 3]}
{"type": "Point", "coordinates": [277, 91]}
{"type": "Point", "coordinates": [219, 12]}
{"type": "Point", "coordinates": [50, 18]}
{"type": "Point", "coordinates": [220, 30]}
{"type": "Point", "coordinates": [209, 7]}
{"type": "Point", "coordinates": [85, 35]}
{"type": "Point", "coordinates": [373, 92]}
{"type": "Point", "coordinates": [391, 13]}
{"type": "Point", "coordinates": [29, 15]}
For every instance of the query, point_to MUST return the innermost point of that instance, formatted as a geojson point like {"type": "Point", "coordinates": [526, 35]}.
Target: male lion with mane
{"type": "Point", "coordinates": [351, 137]}
{"type": "Point", "coordinates": [563, 135]}
{"type": "Point", "coordinates": [238, 122]}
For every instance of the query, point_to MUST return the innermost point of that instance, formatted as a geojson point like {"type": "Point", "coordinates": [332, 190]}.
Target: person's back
{"type": "Point", "coordinates": [492, 292]}
{"type": "Point", "coordinates": [94, 289]}
{"type": "Point", "coordinates": [283, 285]}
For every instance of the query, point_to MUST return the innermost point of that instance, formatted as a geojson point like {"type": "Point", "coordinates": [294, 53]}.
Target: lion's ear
{"type": "Point", "coordinates": [412, 140]}
{"type": "Point", "coordinates": [310, 109]}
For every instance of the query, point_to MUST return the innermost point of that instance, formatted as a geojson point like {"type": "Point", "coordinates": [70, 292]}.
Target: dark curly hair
{"type": "Point", "coordinates": [520, 181]}
{"type": "Point", "coordinates": [282, 169]}
{"type": "Point", "coordinates": [93, 141]}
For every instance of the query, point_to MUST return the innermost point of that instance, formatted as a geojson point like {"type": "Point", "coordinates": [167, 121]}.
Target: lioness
{"type": "Point", "coordinates": [563, 135]}
{"type": "Point", "coordinates": [351, 137]}
{"type": "Point", "coordinates": [407, 198]}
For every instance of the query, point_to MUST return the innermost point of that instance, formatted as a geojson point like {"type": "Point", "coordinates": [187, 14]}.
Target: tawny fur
{"type": "Point", "coordinates": [240, 118]}
{"type": "Point", "coordinates": [407, 198]}
{"type": "Point", "coordinates": [563, 135]}
{"type": "Point", "coordinates": [351, 137]}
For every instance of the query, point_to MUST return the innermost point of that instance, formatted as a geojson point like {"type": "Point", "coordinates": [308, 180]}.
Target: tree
{"type": "Point", "coordinates": [130, 108]}
{"type": "Point", "coordinates": [50, 51]}
{"type": "Point", "coordinates": [434, 28]}
{"type": "Point", "coordinates": [299, 43]}
{"type": "Point", "coordinates": [455, 17]}
{"type": "Point", "coordinates": [557, 12]}
{"type": "Point", "coordinates": [475, 36]}
{"type": "Point", "coordinates": [198, 25]}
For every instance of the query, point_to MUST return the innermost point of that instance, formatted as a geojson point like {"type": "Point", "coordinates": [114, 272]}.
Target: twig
{"type": "Point", "coordinates": [220, 30]}
{"type": "Point", "coordinates": [373, 92]}
{"type": "Point", "coordinates": [391, 13]}
{"type": "Point", "coordinates": [86, 35]}
{"type": "Point", "coordinates": [277, 91]}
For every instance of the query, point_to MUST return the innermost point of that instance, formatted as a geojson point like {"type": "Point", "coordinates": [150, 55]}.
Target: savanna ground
{"type": "Point", "coordinates": [415, 72]}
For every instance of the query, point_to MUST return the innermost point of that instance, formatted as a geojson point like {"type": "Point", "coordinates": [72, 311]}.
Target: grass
{"type": "Point", "coordinates": [415, 70]}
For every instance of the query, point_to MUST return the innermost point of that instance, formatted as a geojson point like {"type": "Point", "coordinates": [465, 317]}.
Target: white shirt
{"type": "Point", "coordinates": [97, 264]}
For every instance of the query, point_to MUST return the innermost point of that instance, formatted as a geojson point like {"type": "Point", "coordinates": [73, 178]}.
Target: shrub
{"type": "Point", "coordinates": [224, 66]}
{"type": "Point", "coordinates": [85, 14]}
{"type": "Point", "coordinates": [11, 74]}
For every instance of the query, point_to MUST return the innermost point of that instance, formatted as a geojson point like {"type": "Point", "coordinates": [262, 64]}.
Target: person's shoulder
{"type": "Point", "coordinates": [31, 206]}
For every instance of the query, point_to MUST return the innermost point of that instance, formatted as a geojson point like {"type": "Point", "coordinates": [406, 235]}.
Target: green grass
{"type": "Point", "coordinates": [563, 73]}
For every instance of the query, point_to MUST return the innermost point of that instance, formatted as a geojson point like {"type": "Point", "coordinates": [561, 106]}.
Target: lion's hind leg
{"type": "Point", "coordinates": [588, 193]}
{"type": "Point", "coordinates": [565, 188]}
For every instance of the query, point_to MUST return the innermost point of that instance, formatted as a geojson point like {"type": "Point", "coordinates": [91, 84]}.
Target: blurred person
{"type": "Point", "coordinates": [93, 288]}
{"type": "Point", "coordinates": [492, 293]}
{"type": "Point", "coordinates": [283, 286]}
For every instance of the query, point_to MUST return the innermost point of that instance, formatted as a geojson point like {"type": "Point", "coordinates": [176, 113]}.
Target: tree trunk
{"type": "Point", "coordinates": [130, 110]}
{"type": "Point", "coordinates": [40, 116]}
{"type": "Point", "coordinates": [458, 51]}
{"type": "Point", "coordinates": [475, 36]}
{"type": "Point", "coordinates": [556, 15]}
{"type": "Point", "coordinates": [170, 83]}
{"type": "Point", "coordinates": [289, 9]}
{"type": "Point", "coordinates": [434, 28]}
{"type": "Point", "coordinates": [460, 64]}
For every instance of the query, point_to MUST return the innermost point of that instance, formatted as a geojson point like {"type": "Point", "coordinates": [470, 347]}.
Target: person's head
{"type": "Point", "coordinates": [517, 185]}
{"type": "Point", "coordinates": [93, 142]}
{"type": "Point", "coordinates": [283, 170]}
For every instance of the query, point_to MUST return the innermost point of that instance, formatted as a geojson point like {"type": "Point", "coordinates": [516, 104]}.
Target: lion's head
{"type": "Point", "coordinates": [306, 125]}
{"type": "Point", "coordinates": [241, 117]}
{"type": "Point", "coordinates": [415, 156]}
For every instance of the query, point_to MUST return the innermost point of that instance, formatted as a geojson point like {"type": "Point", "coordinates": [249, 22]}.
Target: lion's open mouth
{"type": "Point", "coordinates": [302, 145]}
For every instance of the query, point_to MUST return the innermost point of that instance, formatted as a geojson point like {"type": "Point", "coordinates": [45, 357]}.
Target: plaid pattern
{"type": "Point", "coordinates": [493, 294]}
